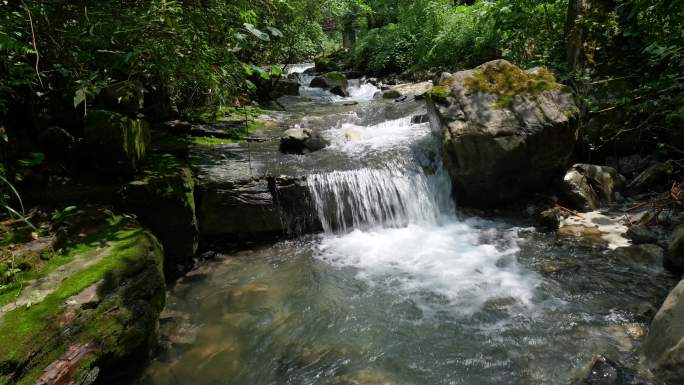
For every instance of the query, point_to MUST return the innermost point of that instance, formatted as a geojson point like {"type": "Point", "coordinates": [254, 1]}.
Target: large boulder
{"type": "Point", "coordinates": [588, 186]}
{"type": "Point", "coordinates": [116, 142]}
{"type": "Point", "coordinates": [664, 344]}
{"type": "Point", "coordinates": [287, 87]}
{"type": "Point", "coordinates": [163, 199]}
{"type": "Point", "coordinates": [89, 311]}
{"type": "Point", "coordinates": [301, 141]}
{"type": "Point", "coordinates": [506, 132]}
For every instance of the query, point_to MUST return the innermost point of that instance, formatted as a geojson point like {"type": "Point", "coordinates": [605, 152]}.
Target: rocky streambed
{"type": "Point", "coordinates": [347, 261]}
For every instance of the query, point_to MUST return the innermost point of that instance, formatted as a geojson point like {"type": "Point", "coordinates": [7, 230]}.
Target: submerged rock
{"type": "Point", "coordinates": [116, 142]}
{"type": "Point", "coordinates": [606, 372]}
{"type": "Point", "coordinates": [588, 186]}
{"type": "Point", "coordinates": [663, 345]}
{"type": "Point", "coordinates": [301, 141]}
{"type": "Point", "coordinates": [506, 132]}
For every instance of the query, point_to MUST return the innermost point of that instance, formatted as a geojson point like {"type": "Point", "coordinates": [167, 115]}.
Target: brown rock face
{"type": "Point", "coordinates": [506, 132]}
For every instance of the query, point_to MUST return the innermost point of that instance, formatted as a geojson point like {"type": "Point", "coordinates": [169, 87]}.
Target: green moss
{"type": "Point", "coordinates": [505, 80]}
{"type": "Point", "coordinates": [117, 139]}
{"type": "Point", "coordinates": [336, 76]}
{"type": "Point", "coordinates": [440, 92]}
{"type": "Point", "coordinates": [21, 328]}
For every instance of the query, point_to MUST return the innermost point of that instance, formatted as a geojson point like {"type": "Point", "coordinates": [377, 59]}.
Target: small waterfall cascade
{"type": "Point", "coordinates": [390, 196]}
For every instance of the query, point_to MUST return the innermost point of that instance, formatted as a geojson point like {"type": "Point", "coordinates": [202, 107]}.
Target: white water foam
{"type": "Point", "coordinates": [352, 138]}
{"type": "Point", "coordinates": [422, 261]}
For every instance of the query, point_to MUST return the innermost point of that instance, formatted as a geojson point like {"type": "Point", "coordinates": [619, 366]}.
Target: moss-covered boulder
{"type": "Point", "coordinates": [323, 64]}
{"type": "Point", "coordinates": [163, 199]}
{"type": "Point", "coordinates": [506, 132]}
{"type": "Point", "coordinates": [116, 142]}
{"type": "Point", "coordinates": [84, 310]}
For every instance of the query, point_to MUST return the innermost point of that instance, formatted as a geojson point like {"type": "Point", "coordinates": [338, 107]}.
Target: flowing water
{"type": "Point", "coordinates": [398, 289]}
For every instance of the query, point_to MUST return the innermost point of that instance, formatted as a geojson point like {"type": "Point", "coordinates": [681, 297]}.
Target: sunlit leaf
{"type": "Point", "coordinates": [256, 32]}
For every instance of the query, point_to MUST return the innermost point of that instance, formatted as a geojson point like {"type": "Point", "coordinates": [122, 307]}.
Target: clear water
{"type": "Point", "coordinates": [399, 289]}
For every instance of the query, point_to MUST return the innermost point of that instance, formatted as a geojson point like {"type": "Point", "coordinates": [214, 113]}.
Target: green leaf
{"type": "Point", "coordinates": [79, 97]}
{"type": "Point", "coordinates": [35, 159]}
{"type": "Point", "coordinates": [275, 32]}
{"type": "Point", "coordinates": [251, 86]}
{"type": "Point", "coordinates": [256, 32]}
{"type": "Point", "coordinates": [264, 75]}
{"type": "Point", "coordinates": [275, 70]}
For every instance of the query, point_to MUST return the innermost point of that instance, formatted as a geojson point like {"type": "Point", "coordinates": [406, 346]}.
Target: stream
{"type": "Point", "coordinates": [399, 288]}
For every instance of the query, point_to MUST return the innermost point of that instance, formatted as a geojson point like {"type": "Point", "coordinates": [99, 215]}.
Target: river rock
{"type": "Point", "coordinates": [655, 176]}
{"type": "Point", "coordinates": [390, 94]}
{"type": "Point", "coordinates": [588, 186]}
{"type": "Point", "coordinates": [91, 315]}
{"type": "Point", "coordinates": [640, 233]}
{"type": "Point", "coordinates": [301, 141]}
{"type": "Point", "coordinates": [163, 199]}
{"type": "Point", "coordinates": [116, 142]}
{"type": "Point", "coordinates": [335, 82]}
{"type": "Point", "coordinates": [675, 249]}
{"type": "Point", "coordinates": [663, 345]}
{"type": "Point", "coordinates": [604, 371]}
{"type": "Point", "coordinates": [642, 255]}
{"type": "Point", "coordinates": [506, 132]}
{"type": "Point", "coordinates": [287, 87]}
{"type": "Point", "coordinates": [549, 220]}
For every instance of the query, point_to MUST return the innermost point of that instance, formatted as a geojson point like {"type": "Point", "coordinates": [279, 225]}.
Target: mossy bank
{"type": "Point", "coordinates": [94, 304]}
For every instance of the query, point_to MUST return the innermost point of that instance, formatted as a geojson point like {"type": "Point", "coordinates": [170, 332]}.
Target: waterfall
{"type": "Point", "coordinates": [392, 196]}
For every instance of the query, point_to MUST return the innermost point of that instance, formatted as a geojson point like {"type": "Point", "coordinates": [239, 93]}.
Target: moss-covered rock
{"type": "Point", "coordinates": [94, 305]}
{"type": "Point", "coordinates": [506, 132]}
{"type": "Point", "coordinates": [334, 81]}
{"type": "Point", "coordinates": [163, 199]}
{"type": "Point", "coordinates": [116, 142]}
{"type": "Point", "coordinates": [324, 64]}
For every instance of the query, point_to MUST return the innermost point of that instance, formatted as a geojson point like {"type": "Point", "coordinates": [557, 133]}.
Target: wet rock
{"type": "Point", "coordinates": [558, 266]}
{"type": "Point", "coordinates": [499, 145]}
{"type": "Point", "coordinates": [588, 186]}
{"type": "Point", "coordinates": [606, 372]}
{"type": "Point", "coordinates": [408, 90]}
{"type": "Point", "coordinates": [654, 177]}
{"type": "Point", "coordinates": [163, 200]}
{"type": "Point", "coordinates": [675, 249]}
{"type": "Point", "coordinates": [334, 82]}
{"type": "Point", "coordinates": [116, 142]}
{"type": "Point", "coordinates": [255, 207]}
{"type": "Point", "coordinates": [643, 255]}
{"type": "Point", "coordinates": [663, 346]}
{"type": "Point", "coordinates": [441, 78]}
{"type": "Point", "coordinates": [301, 141]}
{"type": "Point", "coordinates": [641, 234]}
{"type": "Point", "coordinates": [390, 94]}
{"type": "Point", "coordinates": [419, 119]}
{"type": "Point", "coordinates": [549, 220]}
{"type": "Point", "coordinates": [287, 87]}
